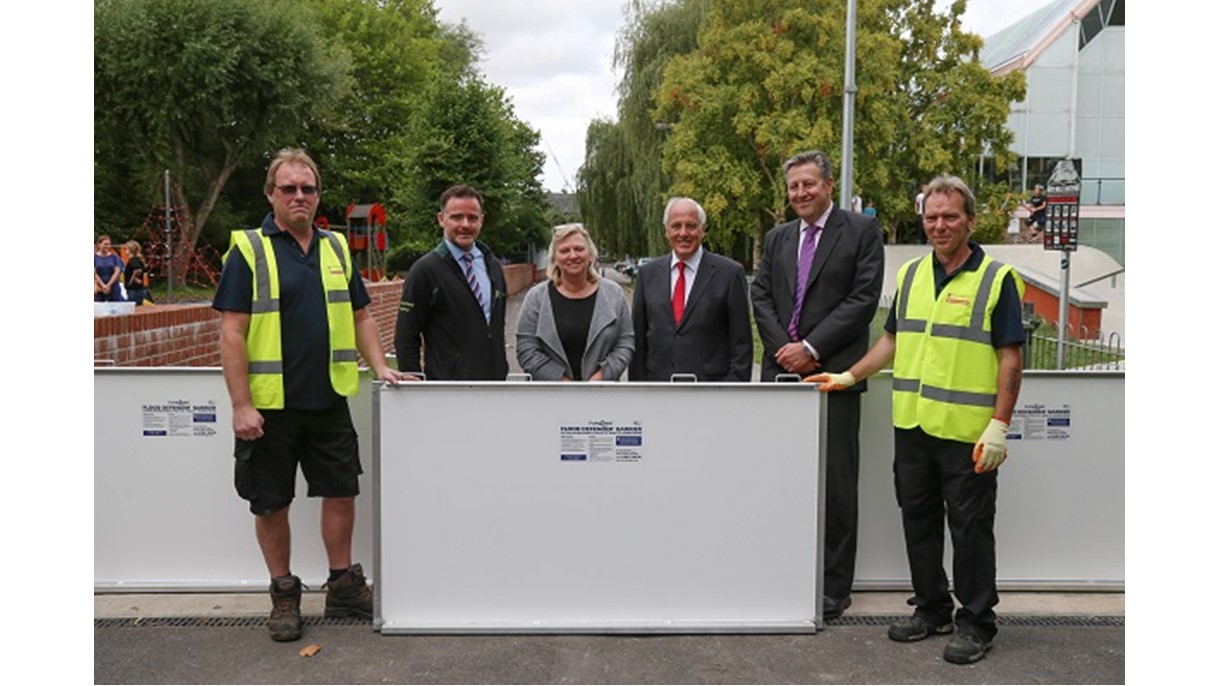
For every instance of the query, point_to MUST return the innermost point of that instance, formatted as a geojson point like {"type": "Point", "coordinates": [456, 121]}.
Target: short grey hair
{"type": "Point", "coordinates": [811, 157]}
{"type": "Point", "coordinates": [674, 201]}
{"type": "Point", "coordinates": [946, 184]}
{"type": "Point", "coordinates": [560, 234]}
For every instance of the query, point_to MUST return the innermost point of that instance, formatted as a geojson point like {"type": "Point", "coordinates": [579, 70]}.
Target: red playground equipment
{"type": "Point", "coordinates": [198, 267]}
{"type": "Point", "coordinates": [366, 237]}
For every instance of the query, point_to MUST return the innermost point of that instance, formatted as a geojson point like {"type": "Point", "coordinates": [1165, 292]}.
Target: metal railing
{"type": "Point", "coordinates": [1090, 350]}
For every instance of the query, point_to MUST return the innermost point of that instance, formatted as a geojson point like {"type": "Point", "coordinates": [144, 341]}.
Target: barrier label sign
{"type": "Point", "coordinates": [1038, 422]}
{"type": "Point", "coordinates": [602, 441]}
{"type": "Point", "coordinates": [179, 418]}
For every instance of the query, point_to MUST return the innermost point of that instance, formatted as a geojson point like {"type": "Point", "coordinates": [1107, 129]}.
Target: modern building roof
{"type": "Point", "coordinates": [1017, 46]}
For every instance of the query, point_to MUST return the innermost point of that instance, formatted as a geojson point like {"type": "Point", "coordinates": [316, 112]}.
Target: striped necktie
{"type": "Point", "coordinates": [472, 280]}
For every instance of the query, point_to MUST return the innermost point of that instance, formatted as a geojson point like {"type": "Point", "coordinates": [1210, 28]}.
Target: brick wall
{"type": "Point", "coordinates": [189, 335]}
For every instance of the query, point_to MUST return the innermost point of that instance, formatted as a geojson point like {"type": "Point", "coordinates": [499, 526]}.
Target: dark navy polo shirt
{"type": "Point", "coordinates": [305, 334]}
{"type": "Point", "coordinates": [1006, 327]}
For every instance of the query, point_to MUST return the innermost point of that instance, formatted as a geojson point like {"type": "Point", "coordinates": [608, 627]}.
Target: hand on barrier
{"type": "Point", "coordinates": [831, 382]}
{"type": "Point", "coordinates": [992, 447]}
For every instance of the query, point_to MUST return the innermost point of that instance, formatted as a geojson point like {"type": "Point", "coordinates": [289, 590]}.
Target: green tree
{"type": "Point", "coordinates": [468, 133]}
{"type": "Point", "coordinates": [625, 201]}
{"type": "Point", "coordinates": [608, 206]}
{"type": "Point", "coordinates": [396, 50]}
{"type": "Point", "coordinates": [764, 79]}
{"type": "Point", "coordinates": [201, 87]}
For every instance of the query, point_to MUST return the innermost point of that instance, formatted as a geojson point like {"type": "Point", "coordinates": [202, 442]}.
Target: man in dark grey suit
{"type": "Point", "coordinates": [691, 312]}
{"type": "Point", "coordinates": [814, 296]}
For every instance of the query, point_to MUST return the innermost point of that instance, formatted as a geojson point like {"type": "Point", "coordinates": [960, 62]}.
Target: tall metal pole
{"type": "Point", "coordinates": [1065, 269]}
{"type": "Point", "coordinates": [169, 244]}
{"type": "Point", "coordinates": [1062, 233]}
{"type": "Point", "coordinates": [846, 184]}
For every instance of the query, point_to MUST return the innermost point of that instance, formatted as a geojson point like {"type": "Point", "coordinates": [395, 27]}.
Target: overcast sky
{"type": "Point", "coordinates": [553, 57]}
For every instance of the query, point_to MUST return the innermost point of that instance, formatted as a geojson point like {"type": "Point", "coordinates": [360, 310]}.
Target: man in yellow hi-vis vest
{"type": "Point", "coordinates": [954, 335]}
{"type": "Point", "coordinates": [293, 316]}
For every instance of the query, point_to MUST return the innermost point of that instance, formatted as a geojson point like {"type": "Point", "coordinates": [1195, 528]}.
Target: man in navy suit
{"type": "Point", "coordinates": [814, 297]}
{"type": "Point", "coordinates": [691, 312]}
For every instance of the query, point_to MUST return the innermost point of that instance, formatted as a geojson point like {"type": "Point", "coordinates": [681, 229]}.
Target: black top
{"type": "Point", "coordinates": [1006, 327]}
{"type": "Point", "coordinates": [133, 274]}
{"type": "Point", "coordinates": [304, 331]}
{"type": "Point", "coordinates": [572, 319]}
{"type": "Point", "coordinates": [1038, 216]}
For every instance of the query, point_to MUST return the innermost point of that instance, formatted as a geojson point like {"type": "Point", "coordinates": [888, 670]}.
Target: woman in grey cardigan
{"type": "Point", "coordinates": [575, 326]}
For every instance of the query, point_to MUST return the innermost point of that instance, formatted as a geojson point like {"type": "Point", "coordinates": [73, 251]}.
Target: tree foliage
{"type": "Point", "coordinates": [394, 48]}
{"type": "Point", "coordinates": [764, 80]}
{"type": "Point", "coordinates": [623, 204]}
{"type": "Point", "coordinates": [388, 101]}
{"type": "Point", "coordinates": [468, 133]}
{"type": "Point", "coordinates": [201, 87]}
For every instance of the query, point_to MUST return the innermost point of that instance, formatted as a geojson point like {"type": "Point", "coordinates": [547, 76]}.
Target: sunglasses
{"type": "Point", "coordinates": [291, 189]}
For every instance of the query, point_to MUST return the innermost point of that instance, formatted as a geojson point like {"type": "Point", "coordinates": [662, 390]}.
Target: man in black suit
{"type": "Point", "coordinates": [454, 299]}
{"type": "Point", "coordinates": [690, 311]}
{"type": "Point", "coordinates": [814, 296]}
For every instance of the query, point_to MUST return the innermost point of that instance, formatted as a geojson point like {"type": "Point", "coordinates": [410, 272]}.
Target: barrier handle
{"type": "Point", "coordinates": [690, 378]}
{"type": "Point", "coordinates": [787, 378]}
{"type": "Point", "coordinates": [520, 377]}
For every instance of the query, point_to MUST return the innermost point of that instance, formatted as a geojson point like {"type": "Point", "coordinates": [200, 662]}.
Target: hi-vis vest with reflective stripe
{"type": "Point", "coordinates": [944, 364]}
{"type": "Point", "coordinates": [263, 339]}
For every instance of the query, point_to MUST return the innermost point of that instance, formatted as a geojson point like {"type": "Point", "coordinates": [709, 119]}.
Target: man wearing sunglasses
{"type": "Point", "coordinates": [293, 316]}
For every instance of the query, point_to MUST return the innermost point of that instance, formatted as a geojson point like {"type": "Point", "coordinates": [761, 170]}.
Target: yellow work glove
{"type": "Point", "coordinates": [992, 447]}
{"type": "Point", "coordinates": [831, 382]}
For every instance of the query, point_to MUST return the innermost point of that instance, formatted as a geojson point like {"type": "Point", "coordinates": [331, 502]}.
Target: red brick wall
{"type": "Point", "coordinates": [189, 335]}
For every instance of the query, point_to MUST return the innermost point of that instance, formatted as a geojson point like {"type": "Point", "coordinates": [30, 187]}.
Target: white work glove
{"type": "Point", "coordinates": [831, 382]}
{"type": "Point", "coordinates": [992, 447]}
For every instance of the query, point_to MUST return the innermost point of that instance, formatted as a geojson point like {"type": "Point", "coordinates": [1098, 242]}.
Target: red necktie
{"type": "Point", "coordinates": [680, 293]}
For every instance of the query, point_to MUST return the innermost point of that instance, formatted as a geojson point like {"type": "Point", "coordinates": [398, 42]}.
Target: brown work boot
{"type": "Point", "coordinates": [349, 595]}
{"type": "Point", "coordinates": [285, 620]}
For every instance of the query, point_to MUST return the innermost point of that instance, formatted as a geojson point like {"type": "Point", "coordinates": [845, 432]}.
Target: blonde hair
{"type": "Point", "coordinates": [560, 234]}
{"type": "Point", "coordinates": [133, 248]}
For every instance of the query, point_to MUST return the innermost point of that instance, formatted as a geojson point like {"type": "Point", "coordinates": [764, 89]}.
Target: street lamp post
{"type": "Point", "coordinates": [846, 183]}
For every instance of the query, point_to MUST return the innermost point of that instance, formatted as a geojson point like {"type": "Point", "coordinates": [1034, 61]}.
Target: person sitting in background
{"type": "Point", "coordinates": [135, 276]}
{"type": "Point", "coordinates": [575, 326]}
{"type": "Point", "coordinates": [107, 268]}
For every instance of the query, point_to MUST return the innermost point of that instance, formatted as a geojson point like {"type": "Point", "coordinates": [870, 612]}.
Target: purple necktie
{"type": "Point", "coordinates": [808, 247]}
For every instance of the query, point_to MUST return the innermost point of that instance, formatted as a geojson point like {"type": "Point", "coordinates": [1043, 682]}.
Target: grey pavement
{"type": "Point", "coordinates": [210, 638]}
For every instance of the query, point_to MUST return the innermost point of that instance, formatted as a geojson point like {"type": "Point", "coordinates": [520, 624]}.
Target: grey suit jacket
{"type": "Point", "coordinates": [840, 298]}
{"type": "Point", "coordinates": [609, 346]}
{"type": "Point", "coordinates": [713, 340]}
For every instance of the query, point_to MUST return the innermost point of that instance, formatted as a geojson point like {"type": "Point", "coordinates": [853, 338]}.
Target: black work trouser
{"type": "Point", "coordinates": [842, 493]}
{"type": "Point", "coordinates": [934, 477]}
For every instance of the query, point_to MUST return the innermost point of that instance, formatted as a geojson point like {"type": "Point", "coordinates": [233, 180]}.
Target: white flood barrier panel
{"type": "Point", "coordinates": [166, 515]}
{"type": "Point", "coordinates": [548, 507]}
{"type": "Point", "coordinates": [1060, 508]}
